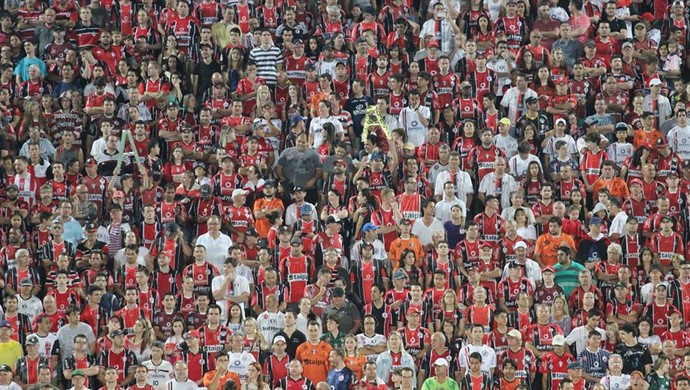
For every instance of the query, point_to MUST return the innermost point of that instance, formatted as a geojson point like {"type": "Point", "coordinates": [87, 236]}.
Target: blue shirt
{"type": "Point", "coordinates": [340, 379]}
{"type": "Point", "coordinates": [72, 231]}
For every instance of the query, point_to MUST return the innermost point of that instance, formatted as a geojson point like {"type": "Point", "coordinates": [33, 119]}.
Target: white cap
{"type": "Point", "coordinates": [558, 340]}
{"type": "Point", "coordinates": [441, 362]}
{"type": "Point", "coordinates": [561, 120]}
{"type": "Point", "coordinates": [515, 333]}
{"type": "Point", "coordinates": [238, 192]}
{"type": "Point", "coordinates": [520, 244]}
{"type": "Point", "coordinates": [279, 339]}
{"type": "Point", "coordinates": [599, 207]}
{"type": "Point", "coordinates": [654, 82]}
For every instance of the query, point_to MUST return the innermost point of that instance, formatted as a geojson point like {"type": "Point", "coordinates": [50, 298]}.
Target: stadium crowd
{"type": "Point", "coordinates": [345, 195]}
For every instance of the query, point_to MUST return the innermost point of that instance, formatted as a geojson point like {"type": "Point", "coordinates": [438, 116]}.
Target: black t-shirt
{"type": "Point", "coordinates": [293, 341]}
{"type": "Point", "coordinates": [634, 358]}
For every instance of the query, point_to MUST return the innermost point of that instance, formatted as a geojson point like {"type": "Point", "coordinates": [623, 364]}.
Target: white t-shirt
{"type": "Point", "coordinates": [416, 131]}
{"type": "Point", "coordinates": [316, 128]}
{"type": "Point", "coordinates": [269, 324]}
{"type": "Point", "coordinates": [31, 307]}
{"type": "Point", "coordinates": [216, 248]}
{"type": "Point", "coordinates": [488, 356]}
{"type": "Point", "coordinates": [175, 385]}
{"type": "Point", "coordinates": [375, 341]}
{"type": "Point", "coordinates": [424, 232]}
{"type": "Point", "coordinates": [236, 288]}
{"type": "Point", "coordinates": [158, 374]}
{"type": "Point", "coordinates": [679, 141]}
{"type": "Point", "coordinates": [239, 364]}
{"type": "Point", "coordinates": [463, 184]}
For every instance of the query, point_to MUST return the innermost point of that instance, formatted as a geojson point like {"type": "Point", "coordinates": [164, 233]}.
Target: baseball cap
{"type": "Point", "coordinates": [515, 333]}
{"type": "Point", "coordinates": [193, 333]}
{"type": "Point", "coordinates": [441, 362]}
{"type": "Point", "coordinates": [6, 368]}
{"type": "Point", "coordinates": [660, 143]}
{"type": "Point", "coordinates": [279, 339]}
{"type": "Point", "coordinates": [574, 365]}
{"type": "Point", "coordinates": [413, 310]}
{"type": "Point", "coordinates": [205, 190]}
{"type": "Point", "coordinates": [548, 269]}
{"type": "Point", "coordinates": [558, 340]}
{"type": "Point", "coordinates": [621, 126]}
{"type": "Point", "coordinates": [655, 81]}
{"type": "Point", "coordinates": [296, 119]}
{"type": "Point", "coordinates": [399, 274]}
{"type": "Point", "coordinates": [520, 244]}
{"type": "Point", "coordinates": [505, 121]}
{"type": "Point", "coordinates": [296, 241]}
{"type": "Point", "coordinates": [90, 163]}
{"type": "Point", "coordinates": [32, 340]}
{"type": "Point", "coordinates": [238, 192]}
{"type": "Point", "coordinates": [561, 121]}
{"type": "Point", "coordinates": [298, 189]}
{"type": "Point", "coordinates": [26, 282]}
{"type": "Point", "coordinates": [12, 187]}
{"type": "Point", "coordinates": [531, 100]}
{"type": "Point", "coordinates": [305, 209]}
{"type": "Point", "coordinates": [369, 227]}
{"type": "Point", "coordinates": [595, 221]}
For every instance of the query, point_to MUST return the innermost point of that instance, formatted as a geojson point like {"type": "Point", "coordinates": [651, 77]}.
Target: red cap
{"type": "Point", "coordinates": [413, 310]}
{"type": "Point", "coordinates": [561, 80]}
{"type": "Point", "coordinates": [90, 162]}
{"type": "Point", "coordinates": [194, 333]}
{"type": "Point", "coordinates": [486, 244]}
{"type": "Point", "coordinates": [636, 180]}
{"type": "Point", "coordinates": [118, 194]}
{"type": "Point", "coordinates": [549, 269]}
{"type": "Point", "coordinates": [432, 44]}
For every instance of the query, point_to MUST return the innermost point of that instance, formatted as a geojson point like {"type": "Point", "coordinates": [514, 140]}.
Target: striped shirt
{"type": "Point", "coordinates": [267, 62]}
{"type": "Point", "coordinates": [594, 363]}
{"type": "Point", "coordinates": [568, 277]}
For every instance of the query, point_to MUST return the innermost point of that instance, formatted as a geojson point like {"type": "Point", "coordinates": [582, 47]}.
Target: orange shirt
{"type": "Point", "coordinates": [547, 246]}
{"type": "Point", "coordinates": [208, 378]}
{"type": "Point", "coordinates": [356, 365]}
{"type": "Point", "coordinates": [647, 138]}
{"type": "Point", "coordinates": [314, 360]}
{"type": "Point", "coordinates": [616, 187]}
{"type": "Point", "coordinates": [262, 225]}
{"type": "Point", "coordinates": [399, 245]}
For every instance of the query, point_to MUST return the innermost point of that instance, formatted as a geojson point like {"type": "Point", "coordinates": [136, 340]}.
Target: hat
{"type": "Point", "coordinates": [284, 229]}
{"type": "Point", "coordinates": [548, 269]}
{"type": "Point", "coordinates": [91, 163]}
{"type": "Point", "coordinates": [413, 310]}
{"type": "Point", "coordinates": [173, 105]}
{"type": "Point", "coordinates": [591, 121]}
{"type": "Point", "coordinates": [6, 368]}
{"type": "Point", "coordinates": [296, 241]}
{"type": "Point", "coordinates": [409, 145]}
{"type": "Point", "coordinates": [26, 282]}
{"type": "Point", "coordinates": [660, 143]}
{"type": "Point", "coordinates": [279, 339]}
{"type": "Point", "coordinates": [298, 189]}
{"type": "Point", "coordinates": [5, 324]}
{"type": "Point", "coordinates": [672, 173]}
{"type": "Point", "coordinates": [199, 164]}
{"type": "Point", "coordinates": [621, 126]}
{"type": "Point", "coordinates": [441, 362]}
{"type": "Point", "coordinates": [505, 121]}
{"type": "Point", "coordinates": [558, 340]}
{"type": "Point", "coordinates": [432, 44]}
{"type": "Point", "coordinates": [599, 207]}
{"type": "Point", "coordinates": [193, 333]}
{"type": "Point", "coordinates": [376, 156]}
{"type": "Point", "coordinates": [520, 244]}
{"type": "Point", "coordinates": [515, 333]}
{"type": "Point", "coordinates": [595, 221]}
{"type": "Point", "coordinates": [305, 209]}
{"type": "Point", "coordinates": [297, 41]}
{"type": "Point", "coordinates": [678, 3]}
{"type": "Point", "coordinates": [270, 183]}
{"type": "Point", "coordinates": [74, 373]}
{"type": "Point", "coordinates": [653, 82]}
{"type": "Point", "coordinates": [309, 66]}
{"type": "Point", "coordinates": [531, 100]}
{"type": "Point", "coordinates": [172, 227]}
{"type": "Point", "coordinates": [205, 189]}
{"type": "Point", "coordinates": [641, 24]}
{"type": "Point", "coordinates": [369, 10]}
{"type": "Point", "coordinates": [561, 80]}
{"type": "Point", "coordinates": [251, 233]}
{"type": "Point", "coordinates": [636, 180]}
{"type": "Point", "coordinates": [515, 265]}
{"type": "Point", "coordinates": [368, 227]}
{"type": "Point", "coordinates": [238, 192]}
{"type": "Point", "coordinates": [626, 44]}
{"type": "Point", "coordinates": [399, 274]}
{"type": "Point", "coordinates": [32, 340]}
{"type": "Point", "coordinates": [561, 121]}
{"type": "Point", "coordinates": [58, 27]}
{"type": "Point", "coordinates": [338, 292]}
{"type": "Point", "coordinates": [590, 43]}
{"type": "Point", "coordinates": [295, 120]}
{"type": "Point", "coordinates": [667, 217]}
{"type": "Point", "coordinates": [465, 84]}
{"type": "Point", "coordinates": [576, 365]}
{"type": "Point", "coordinates": [117, 332]}
{"type": "Point", "coordinates": [118, 194]}
{"type": "Point", "coordinates": [12, 187]}
{"type": "Point", "coordinates": [340, 161]}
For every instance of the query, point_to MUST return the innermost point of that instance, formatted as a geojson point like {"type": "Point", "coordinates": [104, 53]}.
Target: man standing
{"type": "Point", "coordinates": [300, 166]}
{"type": "Point", "coordinates": [215, 242]}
